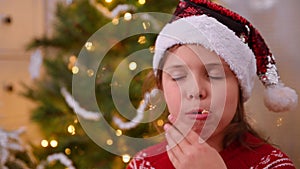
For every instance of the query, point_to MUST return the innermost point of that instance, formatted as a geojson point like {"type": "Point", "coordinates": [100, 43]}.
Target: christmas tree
{"type": "Point", "coordinates": [65, 109]}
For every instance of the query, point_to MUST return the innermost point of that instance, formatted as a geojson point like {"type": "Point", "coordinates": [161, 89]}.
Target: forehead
{"type": "Point", "coordinates": [190, 55]}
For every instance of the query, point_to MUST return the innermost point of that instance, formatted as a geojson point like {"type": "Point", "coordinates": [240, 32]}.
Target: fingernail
{"type": "Point", "coordinates": [170, 117]}
{"type": "Point", "coordinates": [166, 127]}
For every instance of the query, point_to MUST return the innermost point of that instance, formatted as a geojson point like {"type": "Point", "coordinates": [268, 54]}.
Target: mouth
{"type": "Point", "coordinates": [200, 111]}
{"type": "Point", "coordinates": [200, 114]}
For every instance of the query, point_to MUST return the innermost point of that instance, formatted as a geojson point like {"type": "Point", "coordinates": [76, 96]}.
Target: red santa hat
{"type": "Point", "coordinates": [234, 39]}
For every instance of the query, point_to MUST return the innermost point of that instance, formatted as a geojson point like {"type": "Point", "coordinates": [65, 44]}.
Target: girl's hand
{"type": "Point", "coordinates": [191, 152]}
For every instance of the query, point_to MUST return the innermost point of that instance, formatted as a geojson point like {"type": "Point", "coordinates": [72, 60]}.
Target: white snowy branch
{"type": "Point", "coordinates": [88, 115]}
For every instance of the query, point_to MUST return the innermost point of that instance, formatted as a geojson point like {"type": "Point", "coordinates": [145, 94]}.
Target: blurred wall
{"type": "Point", "coordinates": [28, 19]}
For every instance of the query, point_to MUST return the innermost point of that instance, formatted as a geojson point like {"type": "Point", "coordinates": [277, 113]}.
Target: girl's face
{"type": "Point", "coordinates": [195, 79]}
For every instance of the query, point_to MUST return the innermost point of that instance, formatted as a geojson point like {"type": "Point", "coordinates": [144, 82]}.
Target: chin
{"type": "Point", "coordinates": [197, 128]}
{"type": "Point", "coordinates": [205, 133]}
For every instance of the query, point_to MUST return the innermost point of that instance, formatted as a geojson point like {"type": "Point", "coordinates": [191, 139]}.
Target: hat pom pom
{"type": "Point", "coordinates": [279, 98]}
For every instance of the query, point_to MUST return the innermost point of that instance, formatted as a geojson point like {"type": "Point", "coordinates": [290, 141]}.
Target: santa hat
{"type": "Point", "coordinates": [235, 40]}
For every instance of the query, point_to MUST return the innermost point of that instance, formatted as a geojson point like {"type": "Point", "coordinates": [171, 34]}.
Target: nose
{"type": "Point", "coordinates": [195, 95]}
{"type": "Point", "coordinates": [196, 91]}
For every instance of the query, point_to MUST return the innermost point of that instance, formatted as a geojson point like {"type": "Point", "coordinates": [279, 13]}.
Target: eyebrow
{"type": "Point", "coordinates": [205, 67]}
{"type": "Point", "coordinates": [184, 65]}
{"type": "Point", "coordinates": [175, 66]}
{"type": "Point", "coordinates": [215, 65]}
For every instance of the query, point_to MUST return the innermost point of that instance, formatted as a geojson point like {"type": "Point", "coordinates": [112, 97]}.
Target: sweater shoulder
{"type": "Point", "coordinates": [262, 156]}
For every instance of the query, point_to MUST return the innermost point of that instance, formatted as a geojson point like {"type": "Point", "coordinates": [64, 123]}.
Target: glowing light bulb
{"type": "Point", "coordinates": [115, 21]}
{"type": "Point", "coordinates": [71, 129]}
{"type": "Point", "coordinates": [146, 25]}
{"type": "Point", "coordinates": [142, 40]}
{"type": "Point", "coordinates": [68, 151]}
{"type": "Point", "coordinates": [53, 143]}
{"type": "Point", "coordinates": [44, 143]}
{"type": "Point", "coordinates": [126, 158]}
{"type": "Point", "coordinates": [108, 1]}
{"type": "Point", "coordinates": [90, 72]}
{"type": "Point", "coordinates": [75, 69]}
{"type": "Point", "coordinates": [279, 122]}
{"type": "Point", "coordinates": [109, 142]}
{"type": "Point", "coordinates": [119, 132]}
{"type": "Point", "coordinates": [151, 49]}
{"type": "Point", "coordinates": [132, 66]}
{"type": "Point", "coordinates": [127, 16]}
{"type": "Point", "coordinates": [142, 2]}
{"type": "Point", "coordinates": [89, 46]}
{"type": "Point", "coordinates": [72, 59]}
{"type": "Point", "coordinates": [160, 123]}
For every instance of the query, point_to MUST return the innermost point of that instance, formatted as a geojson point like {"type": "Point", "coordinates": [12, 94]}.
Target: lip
{"type": "Point", "coordinates": [201, 117]}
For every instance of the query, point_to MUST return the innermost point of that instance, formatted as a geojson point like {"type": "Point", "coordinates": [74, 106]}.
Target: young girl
{"type": "Point", "coordinates": [205, 61]}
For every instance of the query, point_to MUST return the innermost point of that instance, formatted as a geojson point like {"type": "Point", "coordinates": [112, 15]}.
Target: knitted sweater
{"type": "Point", "coordinates": [235, 156]}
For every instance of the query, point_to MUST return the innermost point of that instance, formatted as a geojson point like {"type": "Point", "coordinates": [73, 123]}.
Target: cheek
{"type": "Point", "coordinates": [172, 97]}
{"type": "Point", "coordinates": [231, 103]}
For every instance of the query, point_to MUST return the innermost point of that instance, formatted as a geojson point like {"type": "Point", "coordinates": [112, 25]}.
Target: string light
{"type": "Point", "coordinates": [160, 123]}
{"type": "Point", "coordinates": [108, 1]}
{"type": "Point", "coordinates": [115, 21]}
{"type": "Point", "coordinates": [132, 66]}
{"type": "Point", "coordinates": [126, 158]}
{"type": "Point", "coordinates": [152, 107]}
{"type": "Point", "coordinates": [71, 129]}
{"type": "Point", "coordinates": [279, 122]}
{"type": "Point", "coordinates": [127, 16]}
{"type": "Point", "coordinates": [75, 69]}
{"type": "Point", "coordinates": [72, 61]}
{"type": "Point", "coordinates": [146, 25]}
{"type": "Point", "coordinates": [76, 121]}
{"type": "Point", "coordinates": [151, 49]}
{"type": "Point", "coordinates": [89, 46]}
{"type": "Point", "coordinates": [90, 72]}
{"type": "Point", "coordinates": [109, 142]}
{"type": "Point", "coordinates": [118, 132]}
{"type": "Point", "coordinates": [142, 40]}
{"type": "Point", "coordinates": [68, 151]}
{"type": "Point", "coordinates": [142, 2]}
{"type": "Point", "coordinates": [53, 143]}
{"type": "Point", "coordinates": [44, 143]}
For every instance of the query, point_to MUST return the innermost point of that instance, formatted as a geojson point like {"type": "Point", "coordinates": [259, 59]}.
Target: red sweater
{"type": "Point", "coordinates": [235, 157]}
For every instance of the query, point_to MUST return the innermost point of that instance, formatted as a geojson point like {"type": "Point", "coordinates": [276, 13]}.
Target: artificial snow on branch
{"type": "Point", "coordinates": [140, 112]}
{"type": "Point", "coordinates": [63, 159]}
{"type": "Point", "coordinates": [124, 8]}
{"type": "Point", "coordinates": [10, 145]}
{"type": "Point", "coordinates": [115, 12]}
{"type": "Point", "coordinates": [35, 64]}
{"type": "Point", "coordinates": [87, 115]}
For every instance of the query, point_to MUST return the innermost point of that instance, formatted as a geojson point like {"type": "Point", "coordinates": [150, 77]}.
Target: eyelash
{"type": "Point", "coordinates": [178, 78]}
{"type": "Point", "coordinates": [215, 77]}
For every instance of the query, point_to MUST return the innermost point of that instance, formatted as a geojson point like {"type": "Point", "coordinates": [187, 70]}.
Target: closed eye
{"type": "Point", "coordinates": [177, 78]}
{"type": "Point", "coordinates": [216, 72]}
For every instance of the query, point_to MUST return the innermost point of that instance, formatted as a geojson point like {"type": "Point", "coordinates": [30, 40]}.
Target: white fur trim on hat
{"type": "Point", "coordinates": [215, 36]}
